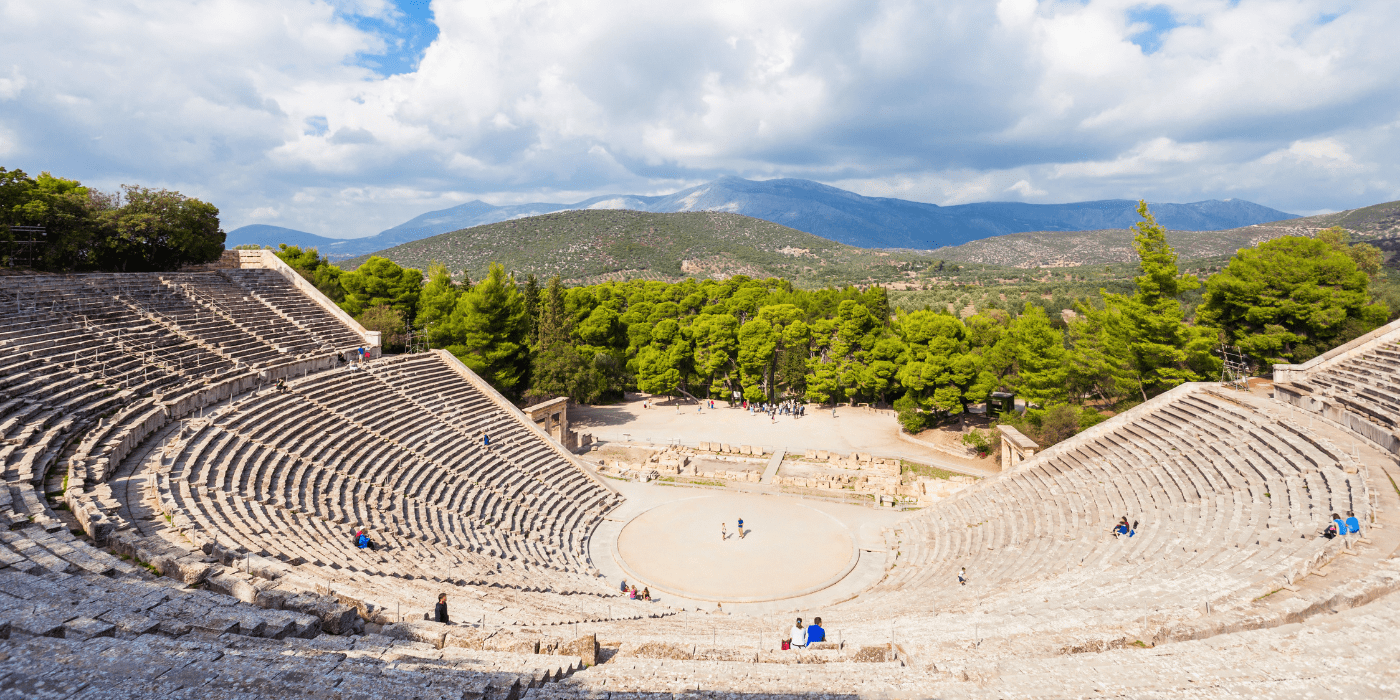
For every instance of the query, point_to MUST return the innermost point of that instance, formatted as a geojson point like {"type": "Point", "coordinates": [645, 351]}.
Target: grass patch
{"type": "Point", "coordinates": [907, 467]}
{"type": "Point", "coordinates": [1266, 595]}
{"type": "Point", "coordinates": [705, 482]}
{"type": "Point", "coordinates": [1139, 644]}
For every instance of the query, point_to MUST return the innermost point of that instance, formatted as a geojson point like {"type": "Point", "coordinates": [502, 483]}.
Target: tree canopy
{"type": "Point", "coordinates": [1291, 299]}
{"type": "Point", "coordinates": [134, 229]}
{"type": "Point", "coordinates": [762, 340]}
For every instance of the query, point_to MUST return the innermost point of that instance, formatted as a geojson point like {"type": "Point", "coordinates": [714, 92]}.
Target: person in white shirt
{"type": "Point", "coordinates": [798, 634]}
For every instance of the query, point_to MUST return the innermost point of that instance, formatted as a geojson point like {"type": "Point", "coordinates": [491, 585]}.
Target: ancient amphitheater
{"type": "Point", "coordinates": [187, 455]}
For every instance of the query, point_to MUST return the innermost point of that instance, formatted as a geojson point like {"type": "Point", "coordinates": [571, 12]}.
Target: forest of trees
{"type": "Point", "coordinates": [1284, 301]}
{"type": "Point", "coordinates": [53, 224]}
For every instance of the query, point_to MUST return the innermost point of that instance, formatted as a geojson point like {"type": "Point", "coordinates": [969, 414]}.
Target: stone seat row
{"type": "Point", "coordinates": [364, 463]}
{"type": "Point", "coordinates": [274, 290]}
{"type": "Point", "coordinates": [227, 665]}
{"type": "Point", "coordinates": [409, 518]}
{"type": "Point", "coordinates": [1217, 516]}
{"type": "Point", "coordinates": [403, 568]}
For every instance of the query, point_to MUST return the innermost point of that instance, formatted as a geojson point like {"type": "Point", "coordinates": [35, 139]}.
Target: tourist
{"type": "Point", "coordinates": [798, 634]}
{"type": "Point", "coordinates": [962, 576]}
{"type": "Point", "coordinates": [646, 594]}
{"type": "Point", "coordinates": [723, 533]}
{"type": "Point", "coordinates": [741, 528]}
{"type": "Point", "coordinates": [440, 612]}
{"type": "Point", "coordinates": [1331, 531]}
{"type": "Point", "coordinates": [1341, 524]}
{"type": "Point", "coordinates": [485, 439]}
{"type": "Point", "coordinates": [632, 592]}
{"type": "Point", "coordinates": [624, 586]}
{"type": "Point", "coordinates": [1353, 525]}
{"type": "Point", "coordinates": [363, 541]}
{"type": "Point", "coordinates": [815, 632]}
{"type": "Point", "coordinates": [1121, 528]}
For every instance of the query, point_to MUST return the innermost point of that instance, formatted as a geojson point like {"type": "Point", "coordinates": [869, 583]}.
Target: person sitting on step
{"type": "Point", "coordinates": [363, 541]}
{"type": "Point", "coordinates": [1353, 525]}
{"type": "Point", "coordinates": [815, 632]}
{"type": "Point", "coordinates": [440, 612]}
{"type": "Point", "coordinates": [1341, 524]}
{"type": "Point", "coordinates": [1331, 531]}
{"type": "Point", "coordinates": [1122, 527]}
{"type": "Point", "coordinates": [798, 634]}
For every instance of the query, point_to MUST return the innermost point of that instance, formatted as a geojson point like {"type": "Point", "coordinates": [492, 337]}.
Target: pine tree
{"type": "Point", "coordinates": [531, 292]}
{"type": "Point", "coordinates": [435, 304]}
{"type": "Point", "coordinates": [488, 327]}
{"type": "Point", "coordinates": [1160, 350]}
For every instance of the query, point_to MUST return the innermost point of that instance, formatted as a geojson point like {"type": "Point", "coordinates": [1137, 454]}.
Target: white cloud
{"type": "Point", "coordinates": [945, 101]}
{"type": "Point", "coordinates": [1324, 153]}
{"type": "Point", "coordinates": [1026, 189]}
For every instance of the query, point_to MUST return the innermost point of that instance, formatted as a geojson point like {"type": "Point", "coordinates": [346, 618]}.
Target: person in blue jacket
{"type": "Point", "coordinates": [1353, 525]}
{"type": "Point", "coordinates": [815, 632]}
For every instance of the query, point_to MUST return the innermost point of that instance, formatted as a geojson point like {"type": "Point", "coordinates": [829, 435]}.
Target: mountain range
{"type": "Point", "coordinates": [811, 207]}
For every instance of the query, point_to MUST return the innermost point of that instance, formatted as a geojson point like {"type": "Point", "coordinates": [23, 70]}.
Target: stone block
{"type": "Point", "coordinates": [657, 650]}
{"type": "Point", "coordinates": [87, 627]}
{"type": "Point", "coordinates": [464, 638]}
{"type": "Point", "coordinates": [433, 633]}
{"type": "Point", "coordinates": [235, 584]}
{"type": "Point", "coordinates": [725, 448]}
{"type": "Point", "coordinates": [189, 569]}
{"type": "Point", "coordinates": [513, 643]}
{"type": "Point", "coordinates": [335, 618]}
{"type": "Point", "coordinates": [585, 647]}
{"type": "Point", "coordinates": [745, 450]}
{"type": "Point", "coordinates": [823, 455]}
{"type": "Point", "coordinates": [879, 653]}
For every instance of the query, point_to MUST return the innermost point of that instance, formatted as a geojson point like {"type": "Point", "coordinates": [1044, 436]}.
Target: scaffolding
{"type": "Point", "coordinates": [25, 252]}
{"type": "Point", "coordinates": [1235, 369]}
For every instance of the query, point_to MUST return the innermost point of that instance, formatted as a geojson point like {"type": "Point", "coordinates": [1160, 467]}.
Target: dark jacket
{"type": "Point", "coordinates": [440, 613]}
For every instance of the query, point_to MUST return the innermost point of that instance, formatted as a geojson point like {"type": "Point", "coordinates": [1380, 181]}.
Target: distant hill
{"type": "Point", "coordinates": [1064, 248]}
{"type": "Point", "coordinates": [264, 235]}
{"type": "Point", "coordinates": [832, 213]}
{"type": "Point", "coordinates": [588, 246]}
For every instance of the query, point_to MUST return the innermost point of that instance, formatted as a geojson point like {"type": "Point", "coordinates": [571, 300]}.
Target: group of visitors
{"type": "Point", "coordinates": [800, 636]}
{"type": "Point", "coordinates": [791, 407]}
{"type": "Point", "coordinates": [1339, 526]}
{"type": "Point", "coordinates": [1123, 528]}
{"type": "Point", "coordinates": [634, 594]}
{"type": "Point", "coordinates": [724, 530]}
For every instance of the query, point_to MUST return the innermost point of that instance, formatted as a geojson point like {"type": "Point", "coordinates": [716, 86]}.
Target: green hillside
{"type": "Point", "coordinates": [590, 246]}
{"type": "Point", "coordinates": [1067, 248]}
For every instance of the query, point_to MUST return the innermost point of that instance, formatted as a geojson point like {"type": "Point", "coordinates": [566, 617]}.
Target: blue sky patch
{"type": "Point", "coordinates": [406, 34]}
{"type": "Point", "coordinates": [1159, 20]}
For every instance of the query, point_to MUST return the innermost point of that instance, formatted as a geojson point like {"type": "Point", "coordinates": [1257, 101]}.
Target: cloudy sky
{"type": "Point", "coordinates": [345, 117]}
